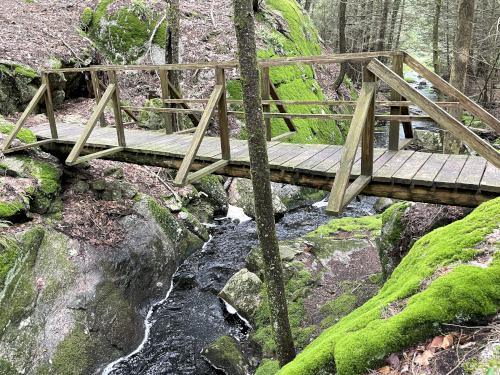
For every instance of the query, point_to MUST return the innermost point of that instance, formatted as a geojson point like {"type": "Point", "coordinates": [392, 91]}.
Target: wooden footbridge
{"type": "Point", "coordinates": [348, 170]}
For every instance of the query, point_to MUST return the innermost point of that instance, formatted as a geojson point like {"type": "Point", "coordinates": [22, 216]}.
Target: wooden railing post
{"type": "Point", "coordinates": [49, 106]}
{"type": "Point", "coordinates": [367, 138]}
{"type": "Point", "coordinates": [97, 94]}
{"type": "Point", "coordinates": [266, 92]}
{"type": "Point", "coordinates": [222, 111]}
{"type": "Point", "coordinates": [165, 94]}
{"type": "Point", "coordinates": [117, 109]}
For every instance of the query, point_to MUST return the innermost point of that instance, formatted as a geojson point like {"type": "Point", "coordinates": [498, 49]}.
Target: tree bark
{"type": "Point", "coordinates": [259, 167]}
{"type": "Point", "coordinates": [394, 18]}
{"type": "Point", "coordinates": [255, 5]}
{"type": "Point", "coordinates": [172, 49]}
{"type": "Point", "coordinates": [383, 25]}
{"type": "Point", "coordinates": [307, 5]}
{"type": "Point", "coordinates": [463, 38]}
{"type": "Point", "coordinates": [401, 18]}
{"type": "Point", "coordinates": [435, 38]}
{"type": "Point", "coordinates": [342, 43]}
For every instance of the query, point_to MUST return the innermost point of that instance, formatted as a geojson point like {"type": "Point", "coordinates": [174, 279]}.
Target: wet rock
{"type": "Point", "coordinates": [241, 195]}
{"type": "Point", "coordinates": [225, 355]}
{"type": "Point", "coordinates": [404, 223]}
{"type": "Point", "coordinates": [111, 189]}
{"type": "Point", "coordinates": [382, 204]}
{"type": "Point", "coordinates": [194, 225]}
{"type": "Point", "coordinates": [242, 291]}
{"type": "Point", "coordinates": [216, 194]}
{"type": "Point", "coordinates": [428, 140]}
{"type": "Point", "coordinates": [294, 196]}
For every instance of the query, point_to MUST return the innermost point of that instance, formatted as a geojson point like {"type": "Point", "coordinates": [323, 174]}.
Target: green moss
{"type": "Point", "coordinates": [24, 135]}
{"type": "Point", "coordinates": [297, 283]}
{"type": "Point", "coordinates": [11, 209]}
{"type": "Point", "coordinates": [25, 71]}
{"type": "Point", "coordinates": [362, 339]}
{"type": "Point", "coordinates": [7, 369]}
{"type": "Point", "coordinates": [73, 355]}
{"type": "Point", "coordinates": [47, 174]}
{"type": "Point", "coordinates": [9, 253]}
{"type": "Point", "coordinates": [349, 224]}
{"type": "Point", "coordinates": [268, 367]}
{"type": "Point", "coordinates": [338, 308]}
{"type": "Point", "coordinates": [86, 18]}
{"type": "Point", "coordinates": [123, 35]}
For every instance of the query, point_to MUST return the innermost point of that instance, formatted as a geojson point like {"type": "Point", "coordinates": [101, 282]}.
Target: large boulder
{"type": "Point", "coordinates": [18, 84]}
{"type": "Point", "coordinates": [241, 195]}
{"type": "Point", "coordinates": [404, 223]}
{"type": "Point", "coordinates": [225, 355]}
{"type": "Point", "coordinates": [242, 291]}
{"type": "Point", "coordinates": [61, 298]}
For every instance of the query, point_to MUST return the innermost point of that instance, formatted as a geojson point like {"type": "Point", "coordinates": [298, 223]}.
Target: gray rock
{"type": "Point", "coordinates": [216, 194]}
{"type": "Point", "coordinates": [226, 355]}
{"type": "Point", "coordinates": [242, 291]}
{"type": "Point", "coordinates": [382, 204]}
{"type": "Point", "coordinates": [428, 140]}
{"type": "Point", "coordinates": [241, 195]}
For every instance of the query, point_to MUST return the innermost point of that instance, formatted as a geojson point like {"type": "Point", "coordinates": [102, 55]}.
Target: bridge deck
{"type": "Point", "coordinates": [317, 162]}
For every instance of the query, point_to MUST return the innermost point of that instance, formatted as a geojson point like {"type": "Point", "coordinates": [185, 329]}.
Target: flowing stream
{"type": "Point", "coordinates": [192, 316]}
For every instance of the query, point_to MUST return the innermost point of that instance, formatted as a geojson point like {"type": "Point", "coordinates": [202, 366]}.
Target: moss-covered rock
{"type": "Point", "coordinates": [152, 120]}
{"type": "Point", "coordinates": [213, 188]}
{"type": "Point", "coordinates": [225, 355]}
{"type": "Point", "coordinates": [18, 84]}
{"type": "Point", "coordinates": [427, 298]}
{"type": "Point", "coordinates": [122, 34]}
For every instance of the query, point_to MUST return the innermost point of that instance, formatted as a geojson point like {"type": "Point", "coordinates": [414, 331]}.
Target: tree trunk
{"type": "Point", "coordinates": [255, 5]}
{"type": "Point", "coordinates": [259, 169]}
{"type": "Point", "coordinates": [342, 43]}
{"type": "Point", "coordinates": [435, 38]}
{"type": "Point", "coordinates": [383, 25]}
{"type": "Point", "coordinates": [398, 36]}
{"type": "Point", "coordinates": [463, 38]}
{"type": "Point", "coordinates": [394, 18]}
{"type": "Point", "coordinates": [172, 49]}
{"type": "Point", "coordinates": [307, 5]}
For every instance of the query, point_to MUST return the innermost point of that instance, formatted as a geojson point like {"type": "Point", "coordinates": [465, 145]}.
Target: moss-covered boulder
{"type": "Point", "coordinates": [450, 275]}
{"type": "Point", "coordinates": [18, 84]}
{"type": "Point", "coordinates": [213, 188]}
{"type": "Point", "coordinates": [122, 31]}
{"type": "Point", "coordinates": [225, 355]}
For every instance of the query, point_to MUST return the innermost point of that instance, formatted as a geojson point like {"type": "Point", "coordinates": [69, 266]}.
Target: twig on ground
{"type": "Point", "coordinates": [164, 183]}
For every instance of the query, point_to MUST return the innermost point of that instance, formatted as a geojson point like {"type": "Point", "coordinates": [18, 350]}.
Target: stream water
{"type": "Point", "coordinates": [192, 316]}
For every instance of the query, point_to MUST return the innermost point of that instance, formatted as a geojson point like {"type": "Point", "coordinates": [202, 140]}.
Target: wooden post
{"type": "Point", "coordinates": [49, 106]}
{"type": "Point", "coordinates": [367, 138]}
{"type": "Point", "coordinates": [222, 111]}
{"type": "Point", "coordinates": [165, 94]}
{"type": "Point", "coordinates": [117, 109]}
{"type": "Point", "coordinates": [97, 94]}
{"type": "Point", "coordinates": [397, 67]}
{"type": "Point", "coordinates": [266, 92]}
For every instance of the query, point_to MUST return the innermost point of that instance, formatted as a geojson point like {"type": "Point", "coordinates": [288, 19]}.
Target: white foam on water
{"type": "Point", "coordinates": [237, 213]}
{"type": "Point", "coordinates": [321, 204]}
{"type": "Point", "coordinates": [231, 310]}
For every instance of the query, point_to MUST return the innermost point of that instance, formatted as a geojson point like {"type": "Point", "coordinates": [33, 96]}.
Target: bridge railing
{"type": "Point", "coordinates": [362, 120]}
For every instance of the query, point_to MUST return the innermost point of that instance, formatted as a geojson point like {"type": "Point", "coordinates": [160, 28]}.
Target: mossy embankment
{"type": "Point", "coordinates": [286, 30]}
{"type": "Point", "coordinates": [436, 283]}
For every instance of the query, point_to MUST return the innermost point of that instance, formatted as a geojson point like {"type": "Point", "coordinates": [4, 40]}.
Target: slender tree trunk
{"type": "Point", "coordinates": [259, 169]}
{"type": "Point", "coordinates": [401, 18]}
{"type": "Point", "coordinates": [448, 61]}
{"type": "Point", "coordinates": [435, 38]}
{"type": "Point", "coordinates": [394, 18]}
{"type": "Point", "coordinates": [342, 43]}
{"type": "Point", "coordinates": [463, 38]}
{"type": "Point", "coordinates": [255, 5]}
{"type": "Point", "coordinates": [372, 43]}
{"type": "Point", "coordinates": [172, 48]}
{"type": "Point", "coordinates": [383, 25]}
{"type": "Point", "coordinates": [307, 5]}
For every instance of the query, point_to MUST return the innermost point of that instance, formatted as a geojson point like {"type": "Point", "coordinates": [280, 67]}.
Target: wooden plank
{"type": "Point", "coordinates": [355, 189]}
{"type": "Point", "coordinates": [330, 166]}
{"type": "Point", "coordinates": [306, 155]}
{"type": "Point", "coordinates": [491, 179]}
{"type": "Point", "coordinates": [293, 151]}
{"type": "Point", "coordinates": [472, 173]}
{"type": "Point", "coordinates": [30, 108]}
{"type": "Point", "coordinates": [97, 94]}
{"type": "Point", "coordinates": [447, 176]}
{"type": "Point", "coordinates": [207, 170]}
{"type": "Point", "coordinates": [319, 157]}
{"type": "Point", "coordinates": [177, 95]}
{"type": "Point", "coordinates": [428, 172]}
{"type": "Point", "coordinates": [28, 146]}
{"type": "Point", "coordinates": [165, 94]}
{"type": "Point", "coordinates": [410, 168]}
{"type": "Point", "coordinates": [356, 168]}
{"type": "Point", "coordinates": [266, 93]}
{"type": "Point", "coordinates": [385, 173]}
{"type": "Point", "coordinates": [439, 115]}
{"type": "Point", "coordinates": [96, 155]}
{"type": "Point", "coordinates": [367, 137]}
{"type": "Point", "coordinates": [283, 136]}
{"type": "Point", "coordinates": [182, 174]}
{"type": "Point", "coordinates": [222, 113]}
{"type": "Point", "coordinates": [129, 113]}
{"type": "Point", "coordinates": [80, 144]}
{"type": "Point", "coordinates": [49, 106]}
{"type": "Point", "coordinates": [351, 144]}
{"type": "Point", "coordinates": [281, 108]}
{"type": "Point", "coordinates": [448, 89]}
{"type": "Point", "coordinates": [404, 142]}
{"type": "Point", "coordinates": [117, 110]}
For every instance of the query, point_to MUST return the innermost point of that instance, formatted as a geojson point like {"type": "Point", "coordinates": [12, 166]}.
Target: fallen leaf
{"type": "Point", "coordinates": [437, 342]}
{"type": "Point", "coordinates": [384, 370]}
{"type": "Point", "coordinates": [424, 358]}
{"type": "Point", "coordinates": [447, 342]}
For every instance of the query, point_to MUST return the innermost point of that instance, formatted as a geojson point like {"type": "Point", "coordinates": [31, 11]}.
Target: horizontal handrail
{"type": "Point", "coordinates": [281, 61]}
